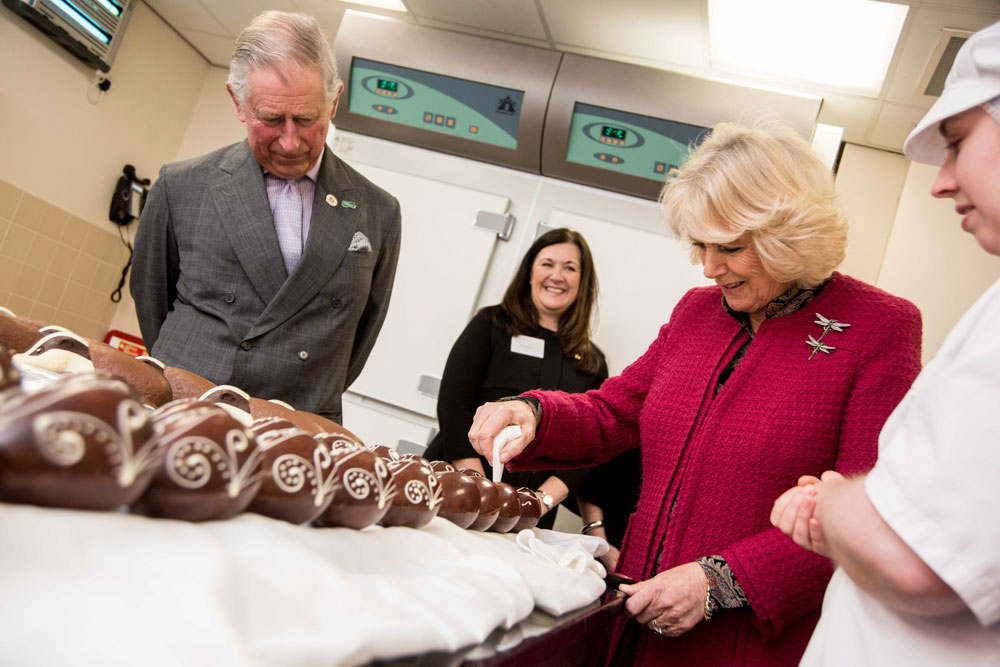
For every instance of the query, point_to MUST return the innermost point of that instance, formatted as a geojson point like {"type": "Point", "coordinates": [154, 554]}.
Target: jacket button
{"type": "Point", "coordinates": [337, 303]}
{"type": "Point", "coordinates": [245, 345]}
{"type": "Point", "coordinates": [303, 355]}
{"type": "Point", "coordinates": [229, 297]}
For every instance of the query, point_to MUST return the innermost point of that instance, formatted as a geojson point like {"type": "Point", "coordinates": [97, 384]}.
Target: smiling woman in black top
{"type": "Point", "coordinates": [538, 337]}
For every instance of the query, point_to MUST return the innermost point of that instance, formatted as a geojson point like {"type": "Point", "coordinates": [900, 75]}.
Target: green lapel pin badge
{"type": "Point", "coordinates": [348, 204]}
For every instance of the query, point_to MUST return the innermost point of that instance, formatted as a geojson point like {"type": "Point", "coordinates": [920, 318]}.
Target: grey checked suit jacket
{"type": "Point", "coordinates": [213, 297]}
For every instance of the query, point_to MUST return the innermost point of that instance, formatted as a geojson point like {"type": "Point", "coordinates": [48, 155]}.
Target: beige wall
{"type": "Point", "coordinates": [56, 267]}
{"type": "Point", "coordinates": [62, 156]}
{"type": "Point", "coordinates": [214, 122]}
{"type": "Point", "coordinates": [931, 261]}
{"type": "Point", "coordinates": [869, 182]}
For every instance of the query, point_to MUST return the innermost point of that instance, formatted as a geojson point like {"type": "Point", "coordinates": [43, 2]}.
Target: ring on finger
{"type": "Point", "coordinates": [656, 628]}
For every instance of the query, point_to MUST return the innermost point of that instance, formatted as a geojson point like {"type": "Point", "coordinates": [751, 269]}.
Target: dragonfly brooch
{"type": "Point", "coordinates": [828, 325]}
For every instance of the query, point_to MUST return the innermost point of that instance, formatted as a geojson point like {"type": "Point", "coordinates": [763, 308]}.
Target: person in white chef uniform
{"type": "Point", "coordinates": [917, 540]}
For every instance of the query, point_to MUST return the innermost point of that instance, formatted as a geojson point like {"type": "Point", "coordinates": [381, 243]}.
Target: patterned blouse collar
{"type": "Point", "coordinates": [792, 300]}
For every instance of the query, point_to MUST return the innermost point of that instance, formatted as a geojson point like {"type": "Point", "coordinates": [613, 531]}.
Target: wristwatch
{"type": "Point", "coordinates": [546, 499]}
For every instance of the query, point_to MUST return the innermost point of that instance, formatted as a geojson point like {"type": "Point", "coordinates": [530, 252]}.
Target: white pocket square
{"type": "Point", "coordinates": [359, 243]}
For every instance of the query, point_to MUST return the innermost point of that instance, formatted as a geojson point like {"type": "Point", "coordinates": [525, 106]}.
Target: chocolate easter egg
{"type": "Point", "coordinates": [340, 441]}
{"type": "Point", "coordinates": [531, 509]}
{"type": "Point", "coordinates": [265, 424]}
{"type": "Point", "coordinates": [211, 466]}
{"type": "Point", "coordinates": [489, 501]}
{"type": "Point", "coordinates": [147, 378]}
{"type": "Point", "coordinates": [387, 453]}
{"type": "Point", "coordinates": [442, 466]}
{"type": "Point", "coordinates": [10, 379]}
{"type": "Point", "coordinates": [510, 508]}
{"type": "Point", "coordinates": [185, 384]}
{"type": "Point", "coordinates": [180, 408]}
{"type": "Point", "coordinates": [59, 351]}
{"type": "Point", "coordinates": [82, 442]}
{"type": "Point", "coordinates": [299, 476]}
{"type": "Point", "coordinates": [261, 408]}
{"type": "Point", "coordinates": [418, 494]}
{"type": "Point", "coordinates": [228, 395]}
{"type": "Point", "coordinates": [365, 489]}
{"type": "Point", "coordinates": [459, 498]}
{"type": "Point", "coordinates": [324, 425]}
{"type": "Point", "coordinates": [16, 333]}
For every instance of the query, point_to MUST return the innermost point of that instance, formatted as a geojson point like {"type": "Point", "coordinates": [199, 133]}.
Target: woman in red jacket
{"type": "Point", "coordinates": [782, 367]}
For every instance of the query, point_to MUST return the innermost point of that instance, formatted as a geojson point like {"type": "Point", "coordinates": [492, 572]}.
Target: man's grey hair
{"type": "Point", "coordinates": [274, 39]}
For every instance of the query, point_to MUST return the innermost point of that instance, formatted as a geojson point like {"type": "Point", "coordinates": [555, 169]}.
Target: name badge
{"type": "Point", "coordinates": [529, 345]}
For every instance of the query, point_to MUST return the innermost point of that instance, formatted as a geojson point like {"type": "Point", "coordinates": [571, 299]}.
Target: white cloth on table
{"type": "Point", "coordinates": [937, 484]}
{"type": "Point", "coordinates": [93, 588]}
{"type": "Point", "coordinates": [555, 588]}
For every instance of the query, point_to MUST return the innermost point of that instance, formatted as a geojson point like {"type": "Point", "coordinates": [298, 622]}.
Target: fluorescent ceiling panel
{"type": "Point", "coordinates": [392, 5]}
{"type": "Point", "coordinates": [844, 44]}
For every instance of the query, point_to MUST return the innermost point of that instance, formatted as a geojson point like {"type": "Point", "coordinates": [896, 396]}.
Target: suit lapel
{"type": "Point", "coordinates": [245, 215]}
{"type": "Point", "coordinates": [330, 231]}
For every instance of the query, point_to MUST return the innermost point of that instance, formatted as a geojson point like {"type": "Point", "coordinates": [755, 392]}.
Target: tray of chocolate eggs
{"type": "Point", "coordinates": [87, 440]}
{"type": "Point", "coordinates": [85, 426]}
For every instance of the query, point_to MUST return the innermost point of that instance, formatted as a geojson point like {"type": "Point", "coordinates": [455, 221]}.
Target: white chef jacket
{"type": "Point", "coordinates": [937, 484]}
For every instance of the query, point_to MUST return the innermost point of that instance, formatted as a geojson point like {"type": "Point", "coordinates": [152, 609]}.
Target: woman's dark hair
{"type": "Point", "coordinates": [517, 314]}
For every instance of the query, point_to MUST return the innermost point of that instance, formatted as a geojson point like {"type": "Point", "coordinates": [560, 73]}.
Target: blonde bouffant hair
{"type": "Point", "coordinates": [761, 178]}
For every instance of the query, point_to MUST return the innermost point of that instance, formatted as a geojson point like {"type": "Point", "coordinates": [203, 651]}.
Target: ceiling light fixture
{"type": "Point", "coordinates": [844, 44]}
{"type": "Point", "coordinates": [391, 5]}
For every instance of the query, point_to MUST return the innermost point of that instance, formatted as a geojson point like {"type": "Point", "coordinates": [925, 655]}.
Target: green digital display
{"type": "Point", "coordinates": [437, 103]}
{"type": "Point", "coordinates": [629, 143]}
{"type": "Point", "coordinates": [614, 132]}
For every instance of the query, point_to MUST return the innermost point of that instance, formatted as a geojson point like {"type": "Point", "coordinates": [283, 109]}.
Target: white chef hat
{"type": "Point", "coordinates": [974, 81]}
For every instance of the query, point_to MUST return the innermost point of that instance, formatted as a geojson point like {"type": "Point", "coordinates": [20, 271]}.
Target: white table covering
{"type": "Point", "coordinates": [91, 588]}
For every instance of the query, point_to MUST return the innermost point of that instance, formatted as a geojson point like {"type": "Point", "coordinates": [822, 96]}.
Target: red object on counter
{"type": "Point", "coordinates": [125, 342]}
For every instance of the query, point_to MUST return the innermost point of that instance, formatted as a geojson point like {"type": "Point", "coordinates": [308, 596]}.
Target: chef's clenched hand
{"type": "Point", "coordinates": [491, 418]}
{"type": "Point", "coordinates": [796, 514]}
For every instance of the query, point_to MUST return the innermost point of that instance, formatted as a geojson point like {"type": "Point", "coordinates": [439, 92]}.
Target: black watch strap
{"type": "Point", "coordinates": [533, 403]}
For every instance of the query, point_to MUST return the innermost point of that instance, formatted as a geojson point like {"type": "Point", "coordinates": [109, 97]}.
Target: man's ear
{"type": "Point", "coordinates": [236, 102]}
{"type": "Point", "coordinates": [336, 101]}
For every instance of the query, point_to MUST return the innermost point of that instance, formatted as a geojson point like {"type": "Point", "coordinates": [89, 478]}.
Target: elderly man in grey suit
{"type": "Point", "coordinates": [268, 264]}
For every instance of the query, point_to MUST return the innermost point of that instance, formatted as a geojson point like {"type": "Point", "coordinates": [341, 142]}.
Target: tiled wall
{"type": "Point", "coordinates": [56, 267]}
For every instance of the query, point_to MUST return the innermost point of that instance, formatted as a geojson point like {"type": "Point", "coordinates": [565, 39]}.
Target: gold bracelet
{"type": "Point", "coordinates": [592, 525]}
{"type": "Point", "coordinates": [709, 610]}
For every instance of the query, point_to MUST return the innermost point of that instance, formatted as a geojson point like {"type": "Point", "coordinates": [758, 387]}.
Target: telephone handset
{"type": "Point", "coordinates": [128, 198]}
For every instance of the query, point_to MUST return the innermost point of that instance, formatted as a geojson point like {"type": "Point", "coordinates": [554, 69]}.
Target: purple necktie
{"type": "Point", "coordinates": [288, 223]}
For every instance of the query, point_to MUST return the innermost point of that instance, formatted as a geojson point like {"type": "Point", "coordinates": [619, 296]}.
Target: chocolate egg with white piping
{"type": "Point", "coordinates": [531, 509]}
{"type": "Point", "coordinates": [365, 488]}
{"type": "Point", "coordinates": [418, 494]}
{"type": "Point", "coordinates": [211, 465]}
{"type": "Point", "coordinates": [82, 442]}
{"type": "Point", "coordinates": [299, 476]}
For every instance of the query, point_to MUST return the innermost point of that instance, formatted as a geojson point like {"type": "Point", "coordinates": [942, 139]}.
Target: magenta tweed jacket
{"type": "Point", "coordinates": [720, 462]}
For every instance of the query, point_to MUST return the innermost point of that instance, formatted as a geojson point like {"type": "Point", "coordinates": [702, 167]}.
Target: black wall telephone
{"type": "Point", "coordinates": [126, 205]}
{"type": "Point", "coordinates": [129, 197]}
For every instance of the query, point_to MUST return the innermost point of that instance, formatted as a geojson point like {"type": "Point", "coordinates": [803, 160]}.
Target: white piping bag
{"type": "Point", "coordinates": [499, 440]}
